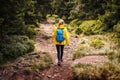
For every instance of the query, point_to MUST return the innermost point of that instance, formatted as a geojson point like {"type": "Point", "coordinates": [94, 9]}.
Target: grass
{"type": "Point", "coordinates": [83, 50]}
{"type": "Point", "coordinates": [78, 53]}
{"type": "Point", "coordinates": [97, 43]}
{"type": "Point", "coordinates": [106, 71]}
{"type": "Point", "coordinates": [114, 55]}
{"type": "Point", "coordinates": [99, 71]}
{"type": "Point", "coordinates": [45, 62]}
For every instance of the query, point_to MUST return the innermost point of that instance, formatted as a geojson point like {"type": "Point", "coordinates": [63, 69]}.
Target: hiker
{"type": "Point", "coordinates": [60, 38]}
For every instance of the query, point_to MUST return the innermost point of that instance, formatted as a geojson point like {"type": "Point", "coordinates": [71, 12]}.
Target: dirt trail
{"type": "Point", "coordinates": [57, 73]}
{"type": "Point", "coordinates": [19, 69]}
{"type": "Point", "coordinates": [64, 72]}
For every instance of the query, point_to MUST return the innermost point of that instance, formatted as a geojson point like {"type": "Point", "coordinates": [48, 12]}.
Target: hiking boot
{"type": "Point", "coordinates": [59, 63]}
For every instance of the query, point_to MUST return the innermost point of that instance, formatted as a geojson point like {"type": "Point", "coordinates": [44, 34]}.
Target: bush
{"type": "Point", "coordinates": [13, 51]}
{"type": "Point", "coordinates": [30, 44]}
{"type": "Point", "coordinates": [75, 22]}
{"type": "Point", "coordinates": [46, 62]}
{"type": "Point", "coordinates": [114, 56]}
{"type": "Point", "coordinates": [117, 27]}
{"type": "Point", "coordinates": [1, 58]}
{"type": "Point", "coordinates": [109, 19]}
{"type": "Point", "coordinates": [56, 17]}
{"type": "Point", "coordinates": [117, 31]}
{"type": "Point", "coordinates": [97, 27]}
{"type": "Point", "coordinates": [17, 46]}
{"type": "Point", "coordinates": [78, 31]}
{"type": "Point", "coordinates": [87, 27]}
{"type": "Point", "coordinates": [78, 53]}
{"type": "Point", "coordinates": [48, 16]}
{"type": "Point", "coordinates": [97, 43]}
{"type": "Point", "coordinates": [106, 71]}
{"type": "Point", "coordinates": [30, 32]}
{"type": "Point", "coordinates": [91, 27]}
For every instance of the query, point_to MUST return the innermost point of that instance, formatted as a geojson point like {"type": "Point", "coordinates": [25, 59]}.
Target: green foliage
{"type": "Point", "coordinates": [97, 43]}
{"type": "Point", "coordinates": [42, 8]}
{"type": "Point", "coordinates": [1, 57]}
{"type": "Point", "coordinates": [46, 62]}
{"type": "Point", "coordinates": [17, 22]}
{"type": "Point", "coordinates": [62, 8]}
{"type": "Point", "coordinates": [105, 11]}
{"type": "Point", "coordinates": [75, 22]}
{"type": "Point", "coordinates": [116, 37]}
{"type": "Point", "coordinates": [17, 46]}
{"type": "Point", "coordinates": [107, 71]}
{"type": "Point", "coordinates": [78, 31]}
{"type": "Point", "coordinates": [48, 16]}
{"type": "Point", "coordinates": [84, 10]}
{"type": "Point", "coordinates": [117, 28]}
{"type": "Point", "coordinates": [114, 56]}
{"type": "Point", "coordinates": [87, 27]}
{"type": "Point", "coordinates": [117, 40]}
{"type": "Point", "coordinates": [56, 17]}
{"type": "Point", "coordinates": [98, 27]}
{"type": "Point", "coordinates": [78, 53]}
{"type": "Point", "coordinates": [30, 32]}
{"type": "Point", "coordinates": [90, 27]}
{"type": "Point", "coordinates": [16, 15]}
{"type": "Point", "coordinates": [111, 16]}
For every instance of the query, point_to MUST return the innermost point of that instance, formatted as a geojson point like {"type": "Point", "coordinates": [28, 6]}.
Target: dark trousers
{"type": "Point", "coordinates": [60, 49]}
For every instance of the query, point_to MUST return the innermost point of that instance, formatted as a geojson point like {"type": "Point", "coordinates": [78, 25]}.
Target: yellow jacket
{"type": "Point", "coordinates": [66, 36]}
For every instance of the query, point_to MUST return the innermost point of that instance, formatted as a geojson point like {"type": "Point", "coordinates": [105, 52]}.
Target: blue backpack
{"type": "Point", "coordinates": [60, 35]}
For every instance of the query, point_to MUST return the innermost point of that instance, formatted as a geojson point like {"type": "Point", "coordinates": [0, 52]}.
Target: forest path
{"type": "Point", "coordinates": [62, 72]}
{"type": "Point", "coordinates": [55, 72]}
{"type": "Point", "coordinates": [20, 69]}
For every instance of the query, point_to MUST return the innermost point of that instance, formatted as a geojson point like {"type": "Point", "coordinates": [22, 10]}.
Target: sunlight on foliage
{"type": "Point", "coordinates": [87, 27]}
{"type": "Point", "coordinates": [48, 16]}
{"type": "Point", "coordinates": [91, 27]}
{"type": "Point", "coordinates": [45, 62]}
{"type": "Point", "coordinates": [114, 56]}
{"type": "Point", "coordinates": [78, 53]}
{"type": "Point", "coordinates": [97, 43]}
{"type": "Point", "coordinates": [105, 71]}
{"type": "Point", "coordinates": [78, 31]}
{"type": "Point", "coordinates": [117, 27]}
